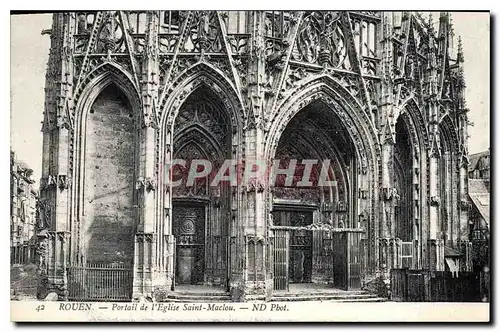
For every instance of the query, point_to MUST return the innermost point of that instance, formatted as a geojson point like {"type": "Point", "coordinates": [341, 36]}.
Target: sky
{"type": "Point", "coordinates": [30, 52]}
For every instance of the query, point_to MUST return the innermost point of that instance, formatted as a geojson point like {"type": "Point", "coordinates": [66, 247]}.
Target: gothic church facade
{"type": "Point", "coordinates": [379, 94]}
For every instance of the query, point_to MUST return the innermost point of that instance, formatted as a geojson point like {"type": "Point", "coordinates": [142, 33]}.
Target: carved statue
{"type": "Point", "coordinates": [341, 221]}
{"type": "Point", "coordinates": [395, 194]}
{"type": "Point", "coordinates": [44, 215]}
{"type": "Point", "coordinates": [82, 23]}
{"type": "Point", "coordinates": [203, 26]}
{"type": "Point", "coordinates": [271, 220]}
{"type": "Point", "coordinates": [387, 211]}
{"type": "Point", "coordinates": [106, 36]}
{"type": "Point", "coordinates": [42, 250]}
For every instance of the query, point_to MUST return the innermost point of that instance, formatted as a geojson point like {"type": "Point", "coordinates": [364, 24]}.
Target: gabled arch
{"type": "Point", "coordinates": [327, 90]}
{"type": "Point", "coordinates": [418, 121]}
{"type": "Point", "coordinates": [99, 78]}
{"type": "Point", "coordinates": [184, 138]}
{"type": "Point", "coordinates": [413, 134]}
{"type": "Point", "coordinates": [188, 81]}
{"type": "Point", "coordinates": [449, 132]}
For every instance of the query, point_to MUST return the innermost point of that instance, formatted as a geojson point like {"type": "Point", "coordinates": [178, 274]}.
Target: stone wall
{"type": "Point", "coordinates": [109, 179]}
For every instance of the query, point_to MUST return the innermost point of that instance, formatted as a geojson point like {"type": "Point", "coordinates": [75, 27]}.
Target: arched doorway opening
{"type": "Point", "coordinates": [105, 198]}
{"type": "Point", "coordinates": [201, 209]}
{"type": "Point", "coordinates": [314, 205]}
{"type": "Point", "coordinates": [405, 224]}
{"type": "Point", "coordinates": [109, 175]}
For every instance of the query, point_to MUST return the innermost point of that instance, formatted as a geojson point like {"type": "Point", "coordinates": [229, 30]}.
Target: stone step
{"type": "Point", "coordinates": [374, 299]}
{"type": "Point", "coordinates": [197, 298]}
{"type": "Point", "coordinates": [326, 293]}
{"type": "Point", "coordinates": [330, 297]}
{"type": "Point", "coordinates": [193, 293]}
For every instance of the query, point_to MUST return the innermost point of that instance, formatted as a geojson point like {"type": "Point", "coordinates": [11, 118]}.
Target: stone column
{"type": "Point", "coordinates": [388, 197]}
{"type": "Point", "coordinates": [436, 245]}
{"type": "Point", "coordinates": [252, 223]}
{"type": "Point", "coordinates": [462, 226]}
{"type": "Point", "coordinates": [149, 271]}
{"type": "Point", "coordinates": [53, 227]}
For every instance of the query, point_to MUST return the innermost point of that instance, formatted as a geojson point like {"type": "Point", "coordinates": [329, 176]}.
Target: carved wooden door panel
{"type": "Point", "coordinates": [189, 231]}
{"type": "Point", "coordinates": [300, 256]}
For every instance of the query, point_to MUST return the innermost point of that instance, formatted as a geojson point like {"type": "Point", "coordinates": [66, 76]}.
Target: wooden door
{"type": "Point", "coordinates": [189, 231]}
{"type": "Point", "coordinates": [347, 260]}
{"type": "Point", "coordinates": [300, 266]}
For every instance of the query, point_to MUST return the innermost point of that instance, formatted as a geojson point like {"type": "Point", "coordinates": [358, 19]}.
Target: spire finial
{"type": "Point", "coordinates": [431, 23]}
{"type": "Point", "coordinates": [460, 52]}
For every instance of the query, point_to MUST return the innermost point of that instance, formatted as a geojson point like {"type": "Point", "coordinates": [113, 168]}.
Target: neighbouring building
{"type": "Point", "coordinates": [23, 205]}
{"type": "Point", "coordinates": [479, 165]}
{"type": "Point", "coordinates": [379, 94]}
{"type": "Point", "coordinates": [479, 213]}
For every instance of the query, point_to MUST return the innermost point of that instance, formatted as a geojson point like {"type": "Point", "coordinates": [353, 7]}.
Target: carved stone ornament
{"type": "Point", "coordinates": [47, 182]}
{"type": "Point", "coordinates": [464, 203]}
{"type": "Point", "coordinates": [149, 184]}
{"type": "Point", "coordinates": [434, 200]}
{"type": "Point", "coordinates": [389, 194]}
{"type": "Point", "coordinates": [63, 182]}
{"type": "Point", "coordinates": [43, 215]}
{"type": "Point", "coordinates": [341, 206]}
{"type": "Point", "coordinates": [42, 250]}
{"type": "Point", "coordinates": [321, 40]}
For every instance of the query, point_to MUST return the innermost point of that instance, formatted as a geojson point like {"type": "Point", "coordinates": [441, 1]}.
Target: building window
{"type": "Point", "coordinates": [236, 22]}
{"type": "Point", "coordinates": [85, 21]}
{"type": "Point", "coordinates": [137, 22]}
{"type": "Point", "coordinates": [364, 38]}
{"type": "Point", "coordinates": [273, 24]}
{"type": "Point", "coordinates": [170, 21]}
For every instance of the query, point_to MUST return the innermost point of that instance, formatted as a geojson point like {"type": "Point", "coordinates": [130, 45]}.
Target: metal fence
{"type": "Point", "coordinates": [100, 282]}
{"type": "Point", "coordinates": [435, 286]}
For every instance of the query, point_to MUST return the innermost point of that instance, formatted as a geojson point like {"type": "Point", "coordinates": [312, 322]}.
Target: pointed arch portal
{"type": "Point", "coordinates": [317, 222]}
{"type": "Point", "coordinates": [202, 138]}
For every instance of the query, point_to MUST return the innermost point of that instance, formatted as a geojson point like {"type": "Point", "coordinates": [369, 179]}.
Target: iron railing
{"type": "Point", "coordinates": [100, 282]}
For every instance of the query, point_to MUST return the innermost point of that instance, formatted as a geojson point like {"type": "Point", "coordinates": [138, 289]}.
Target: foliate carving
{"type": "Point", "coordinates": [294, 74]}
{"type": "Point", "coordinates": [148, 184]}
{"type": "Point", "coordinates": [204, 33]}
{"type": "Point", "coordinates": [168, 42]}
{"type": "Point", "coordinates": [144, 237]}
{"type": "Point", "coordinates": [389, 194]}
{"type": "Point", "coordinates": [47, 182]}
{"type": "Point", "coordinates": [434, 200]}
{"type": "Point", "coordinates": [241, 65]}
{"type": "Point", "coordinates": [111, 35]}
{"type": "Point", "coordinates": [183, 63]}
{"type": "Point", "coordinates": [63, 182]}
{"type": "Point", "coordinates": [239, 43]}
{"type": "Point", "coordinates": [321, 40]}
{"type": "Point", "coordinates": [65, 121]}
{"type": "Point", "coordinates": [351, 83]}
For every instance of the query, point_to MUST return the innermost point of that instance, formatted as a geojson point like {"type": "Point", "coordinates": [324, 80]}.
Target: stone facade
{"type": "Point", "coordinates": [380, 94]}
{"type": "Point", "coordinates": [23, 205]}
